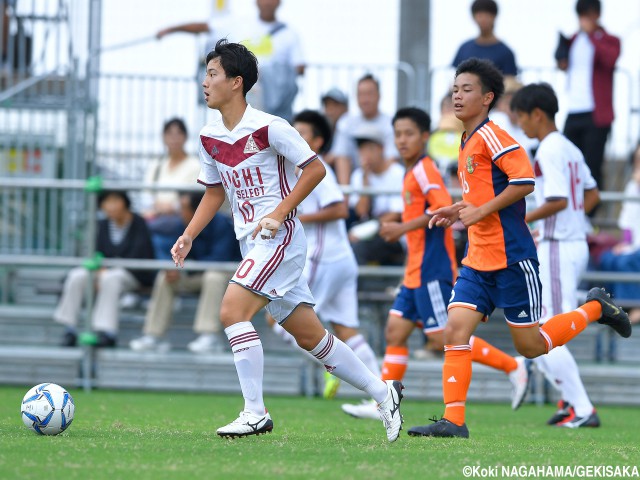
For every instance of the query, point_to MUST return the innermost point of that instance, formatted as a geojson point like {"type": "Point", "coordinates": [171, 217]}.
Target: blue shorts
{"type": "Point", "coordinates": [427, 303]}
{"type": "Point", "coordinates": [516, 289]}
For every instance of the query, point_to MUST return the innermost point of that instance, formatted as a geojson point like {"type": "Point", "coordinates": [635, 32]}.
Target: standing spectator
{"type": "Point", "coordinates": [375, 172]}
{"type": "Point", "coordinates": [123, 234]}
{"type": "Point", "coordinates": [487, 45]}
{"type": "Point", "coordinates": [216, 243]}
{"type": "Point", "coordinates": [275, 44]}
{"type": "Point", "coordinates": [589, 58]}
{"type": "Point", "coordinates": [344, 148]}
{"type": "Point", "coordinates": [162, 207]}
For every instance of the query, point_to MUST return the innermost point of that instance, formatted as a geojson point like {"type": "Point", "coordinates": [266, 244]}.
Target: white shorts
{"type": "Point", "coordinates": [562, 263]}
{"type": "Point", "coordinates": [273, 268]}
{"type": "Point", "coordinates": [334, 285]}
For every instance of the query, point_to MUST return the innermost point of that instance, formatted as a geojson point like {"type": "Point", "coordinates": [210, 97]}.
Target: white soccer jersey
{"type": "Point", "coordinates": [327, 241]}
{"type": "Point", "coordinates": [255, 162]}
{"type": "Point", "coordinates": [561, 172]}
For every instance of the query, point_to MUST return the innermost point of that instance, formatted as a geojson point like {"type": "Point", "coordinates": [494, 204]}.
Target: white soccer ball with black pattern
{"type": "Point", "coordinates": [47, 409]}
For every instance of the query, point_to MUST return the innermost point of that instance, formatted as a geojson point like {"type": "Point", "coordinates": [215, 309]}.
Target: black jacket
{"type": "Point", "coordinates": [135, 244]}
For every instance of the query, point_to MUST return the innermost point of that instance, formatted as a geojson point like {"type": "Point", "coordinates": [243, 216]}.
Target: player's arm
{"type": "Point", "coordinates": [312, 175]}
{"type": "Point", "coordinates": [392, 231]}
{"type": "Point", "coordinates": [194, 27]}
{"type": "Point", "coordinates": [334, 211]}
{"type": "Point", "coordinates": [591, 199]}
{"type": "Point", "coordinates": [470, 214]}
{"type": "Point", "coordinates": [550, 207]}
{"type": "Point", "coordinates": [209, 205]}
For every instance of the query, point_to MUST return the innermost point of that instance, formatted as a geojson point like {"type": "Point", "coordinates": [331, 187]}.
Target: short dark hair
{"type": "Point", "coordinates": [486, 6]}
{"type": "Point", "coordinates": [417, 115]}
{"type": "Point", "coordinates": [319, 125]}
{"type": "Point", "coordinates": [194, 199]}
{"type": "Point", "coordinates": [536, 95]}
{"type": "Point", "coordinates": [584, 7]}
{"type": "Point", "coordinates": [237, 61]}
{"type": "Point", "coordinates": [102, 196]}
{"type": "Point", "coordinates": [490, 77]}
{"type": "Point", "coordinates": [368, 77]}
{"type": "Point", "coordinates": [175, 122]}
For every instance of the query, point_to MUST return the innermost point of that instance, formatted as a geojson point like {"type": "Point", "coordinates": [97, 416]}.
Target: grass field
{"type": "Point", "coordinates": [169, 435]}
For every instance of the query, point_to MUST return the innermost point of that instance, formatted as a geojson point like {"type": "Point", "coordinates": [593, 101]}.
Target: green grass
{"type": "Point", "coordinates": [169, 435]}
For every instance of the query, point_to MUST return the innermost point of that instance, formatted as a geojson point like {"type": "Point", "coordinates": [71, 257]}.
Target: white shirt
{"type": "Point", "coordinates": [630, 214]}
{"type": "Point", "coordinates": [580, 75]}
{"type": "Point", "coordinates": [344, 144]}
{"type": "Point", "coordinates": [326, 241]}
{"type": "Point", "coordinates": [392, 177]}
{"type": "Point", "coordinates": [255, 162]}
{"type": "Point", "coordinates": [160, 173]}
{"type": "Point", "coordinates": [561, 172]}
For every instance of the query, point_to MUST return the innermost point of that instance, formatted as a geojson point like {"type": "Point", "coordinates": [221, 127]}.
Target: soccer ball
{"type": "Point", "coordinates": [47, 409]}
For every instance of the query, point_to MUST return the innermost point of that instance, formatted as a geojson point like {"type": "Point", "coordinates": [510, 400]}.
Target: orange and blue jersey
{"type": "Point", "coordinates": [431, 252]}
{"type": "Point", "coordinates": [489, 161]}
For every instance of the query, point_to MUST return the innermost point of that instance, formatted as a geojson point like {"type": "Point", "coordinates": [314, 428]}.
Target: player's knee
{"type": "Point", "coordinates": [530, 351]}
{"type": "Point", "coordinates": [228, 315]}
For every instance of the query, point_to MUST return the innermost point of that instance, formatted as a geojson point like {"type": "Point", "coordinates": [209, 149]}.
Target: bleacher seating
{"type": "Point", "coordinates": [29, 352]}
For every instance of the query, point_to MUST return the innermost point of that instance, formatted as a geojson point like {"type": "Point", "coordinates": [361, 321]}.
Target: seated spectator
{"type": "Point", "coordinates": [505, 118]}
{"type": "Point", "coordinates": [216, 243]}
{"type": "Point", "coordinates": [344, 149]}
{"type": "Point", "coordinates": [625, 256]}
{"type": "Point", "coordinates": [161, 207]}
{"type": "Point", "coordinates": [486, 45]}
{"type": "Point", "coordinates": [122, 234]}
{"type": "Point", "coordinates": [335, 105]}
{"type": "Point", "coordinates": [444, 143]}
{"type": "Point", "coordinates": [375, 172]}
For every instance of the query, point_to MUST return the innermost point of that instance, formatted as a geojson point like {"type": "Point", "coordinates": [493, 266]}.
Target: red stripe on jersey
{"type": "Point", "coordinates": [208, 184]}
{"type": "Point", "coordinates": [276, 259]}
{"type": "Point", "coordinates": [233, 154]}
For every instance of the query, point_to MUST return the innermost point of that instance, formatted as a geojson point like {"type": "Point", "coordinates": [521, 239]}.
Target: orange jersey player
{"type": "Point", "coordinates": [501, 266]}
{"type": "Point", "coordinates": [431, 266]}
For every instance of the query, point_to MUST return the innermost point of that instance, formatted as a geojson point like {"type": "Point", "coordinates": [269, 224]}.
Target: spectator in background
{"type": "Point", "coordinates": [487, 45]}
{"type": "Point", "coordinates": [335, 105]}
{"type": "Point", "coordinates": [216, 243]}
{"type": "Point", "coordinates": [122, 234]}
{"type": "Point", "coordinates": [344, 148]}
{"type": "Point", "coordinates": [625, 256]}
{"type": "Point", "coordinates": [161, 208]}
{"type": "Point", "coordinates": [444, 143]}
{"type": "Point", "coordinates": [504, 117]}
{"type": "Point", "coordinates": [375, 172]}
{"type": "Point", "coordinates": [589, 58]}
{"type": "Point", "coordinates": [275, 44]}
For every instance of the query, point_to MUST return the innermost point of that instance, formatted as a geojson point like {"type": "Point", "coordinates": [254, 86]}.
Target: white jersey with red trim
{"type": "Point", "coordinates": [255, 162]}
{"type": "Point", "coordinates": [561, 172]}
{"type": "Point", "coordinates": [326, 241]}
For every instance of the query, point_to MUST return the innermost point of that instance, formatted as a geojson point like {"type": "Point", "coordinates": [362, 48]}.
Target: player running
{"type": "Point", "coordinates": [252, 157]}
{"type": "Point", "coordinates": [565, 190]}
{"type": "Point", "coordinates": [331, 270]}
{"type": "Point", "coordinates": [500, 269]}
{"type": "Point", "coordinates": [431, 267]}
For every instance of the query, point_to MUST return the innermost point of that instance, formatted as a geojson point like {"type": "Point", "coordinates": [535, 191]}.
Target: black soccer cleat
{"type": "Point", "coordinates": [565, 410]}
{"type": "Point", "coordinates": [440, 428]}
{"type": "Point", "coordinates": [590, 421]}
{"type": "Point", "coordinates": [612, 314]}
